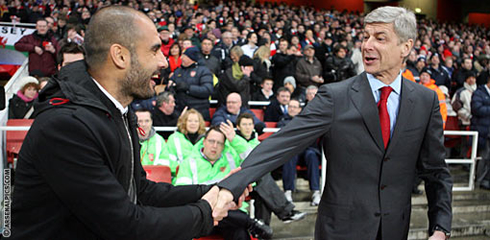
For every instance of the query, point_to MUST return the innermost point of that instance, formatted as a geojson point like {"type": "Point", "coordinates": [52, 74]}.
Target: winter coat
{"type": "Point", "coordinates": [480, 111]}
{"type": "Point", "coordinates": [200, 87]}
{"type": "Point", "coordinates": [337, 69]}
{"type": "Point", "coordinates": [45, 62]}
{"type": "Point", "coordinates": [213, 64]}
{"type": "Point", "coordinates": [18, 107]}
{"type": "Point", "coordinates": [75, 167]}
{"type": "Point", "coordinates": [283, 66]}
{"type": "Point", "coordinates": [228, 84]}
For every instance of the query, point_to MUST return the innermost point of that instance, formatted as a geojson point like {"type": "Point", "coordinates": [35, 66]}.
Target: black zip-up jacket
{"type": "Point", "coordinates": [74, 169]}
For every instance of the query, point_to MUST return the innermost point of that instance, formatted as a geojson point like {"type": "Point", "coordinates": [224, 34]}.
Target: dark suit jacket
{"type": "Point", "coordinates": [366, 185]}
{"type": "Point", "coordinates": [273, 112]}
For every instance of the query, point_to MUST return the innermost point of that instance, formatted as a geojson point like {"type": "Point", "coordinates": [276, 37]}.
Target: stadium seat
{"type": "Point", "coordinates": [14, 139]}
{"type": "Point", "coordinates": [158, 173]}
{"type": "Point", "coordinates": [211, 112]}
{"type": "Point", "coordinates": [259, 113]}
{"type": "Point", "coordinates": [452, 123]}
{"type": "Point", "coordinates": [265, 135]}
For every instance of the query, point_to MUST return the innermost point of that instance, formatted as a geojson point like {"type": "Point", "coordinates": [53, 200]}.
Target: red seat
{"type": "Point", "coordinates": [14, 139]}
{"type": "Point", "coordinates": [452, 123]}
{"type": "Point", "coordinates": [263, 136]}
{"type": "Point", "coordinates": [158, 173]}
{"type": "Point", "coordinates": [259, 113]}
{"type": "Point", "coordinates": [211, 112]}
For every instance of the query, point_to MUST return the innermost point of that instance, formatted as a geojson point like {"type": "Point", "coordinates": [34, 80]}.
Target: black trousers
{"type": "Point", "coordinates": [234, 227]}
{"type": "Point", "coordinates": [270, 198]}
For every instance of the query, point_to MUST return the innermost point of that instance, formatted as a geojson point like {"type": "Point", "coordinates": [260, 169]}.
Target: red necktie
{"type": "Point", "coordinates": [384, 117]}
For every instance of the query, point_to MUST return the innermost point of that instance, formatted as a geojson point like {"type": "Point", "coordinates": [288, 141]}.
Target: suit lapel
{"type": "Point", "coordinates": [405, 111]}
{"type": "Point", "coordinates": [362, 97]}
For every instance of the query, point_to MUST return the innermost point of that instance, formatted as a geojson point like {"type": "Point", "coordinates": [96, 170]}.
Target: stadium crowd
{"type": "Point", "coordinates": [235, 52]}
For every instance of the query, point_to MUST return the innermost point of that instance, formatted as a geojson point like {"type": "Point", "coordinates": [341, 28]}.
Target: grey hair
{"type": "Point", "coordinates": [404, 21]}
{"type": "Point", "coordinates": [163, 97]}
{"type": "Point", "coordinates": [311, 87]}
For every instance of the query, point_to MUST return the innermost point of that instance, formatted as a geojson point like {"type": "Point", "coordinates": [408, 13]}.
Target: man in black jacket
{"type": "Point", "coordinates": [79, 174]}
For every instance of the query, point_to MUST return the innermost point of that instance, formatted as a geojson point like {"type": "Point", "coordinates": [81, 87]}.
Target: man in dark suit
{"type": "Point", "coordinates": [278, 106]}
{"type": "Point", "coordinates": [377, 130]}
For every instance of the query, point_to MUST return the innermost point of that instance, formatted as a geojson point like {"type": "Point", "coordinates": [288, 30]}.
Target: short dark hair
{"type": "Point", "coordinates": [164, 97]}
{"type": "Point", "coordinates": [215, 128]}
{"type": "Point", "coordinates": [244, 116]}
{"type": "Point", "coordinates": [69, 47]}
{"type": "Point", "coordinates": [110, 25]}
{"type": "Point", "coordinates": [143, 110]}
{"type": "Point", "coordinates": [283, 89]}
{"type": "Point", "coordinates": [249, 35]}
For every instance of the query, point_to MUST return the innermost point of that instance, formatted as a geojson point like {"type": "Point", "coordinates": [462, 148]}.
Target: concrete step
{"type": "Point", "coordinates": [465, 225]}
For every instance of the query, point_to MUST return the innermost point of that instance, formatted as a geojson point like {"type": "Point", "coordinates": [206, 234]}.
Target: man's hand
{"type": "Point", "coordinates": [223, 205]}
{"type": "Point", "coordinates": [38, 50]}
{"type": "Point", "coordinates": [438, 235]}
{"type": "Point", "coordinates": [50, 48]}
{"type": "Point", "coordinates": [228, 130]}
{"type": "Point", "coordinates": [211, 196]}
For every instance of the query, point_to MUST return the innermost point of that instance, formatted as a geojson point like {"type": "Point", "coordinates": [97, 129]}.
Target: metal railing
{"type": "Point", "coordinates": [470, 161]}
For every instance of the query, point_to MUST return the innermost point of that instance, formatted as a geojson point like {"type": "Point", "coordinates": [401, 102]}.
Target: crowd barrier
{"type": "Point", "coordinates": [467, 161]}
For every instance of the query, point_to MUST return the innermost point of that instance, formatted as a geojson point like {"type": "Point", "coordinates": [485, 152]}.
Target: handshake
{"type": "Point", "coordinates": [221, 201]}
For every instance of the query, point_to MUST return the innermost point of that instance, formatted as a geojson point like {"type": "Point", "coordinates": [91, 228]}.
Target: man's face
{"type": "Point", "coordinates": [289, 86]}
{"type": "Point", "coordinates": [341, 53]}
{"type": "Point", "coordinates": [283, 97]}
{"type": "Point", "coordinates": [471, 80]}
{"type": "Point", "coordinates": [165, 35]}
{"type": "Point", "coordinates": [233, 103]}
{"type": "Point", "coordinates": [42, 27]}
{"type": "Point", "coordinates": [186, 44]}
{"type": "Point", "coordinates": [246, 126]}
{"type": "Point", "coordinates": [448, 62]}
{"type": "Point", "coordinates": [253, 39]}
{"type": "Point", "coordinates": [71, 57]}
{"type": "Point", "coordinates": [146, 61]}
{"type": "Point", "coordinates": [189, 32]}
{"type": "Point", "coordinates": [186, 61]}
{"type": "Point", "coordinates": [310, 93]}
{"type": "Point", "coordinates": [283, 46]}
{"type": "Point", "coordinates": [206, 46]}
{"type": "Point", "coordinates": [310, 52]}
{"type": "Point", "coordinates": [267, 85]}
{"type": "Point", "coordinates": [435, 60]}
{"type": "Point", "coordinates": [168, 107]}
{"type": "Point", "coordinates": [294, 108]}
{"type": "Point", "coordinates": [227, 40]}
{"type": "Point", "coordinates": [381, 52]}
{"type": "Point", "coordinates": [467, 64]}
{"type": "Point", "coordinates": [144, 121]}
{"type": "Point", "coordinates": [424, 78]}
{"type": "Point", "coordinates": [213, 145]}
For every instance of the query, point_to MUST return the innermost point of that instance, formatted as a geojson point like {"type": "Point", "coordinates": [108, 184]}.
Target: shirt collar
{"type": "Point", "coordinates": [377, 84]}
{"type": "Point", "coordinates": [118, 105]}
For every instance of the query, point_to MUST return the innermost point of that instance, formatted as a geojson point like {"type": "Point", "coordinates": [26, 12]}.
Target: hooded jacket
{"type": "Point", "coordinates": [74, 173]}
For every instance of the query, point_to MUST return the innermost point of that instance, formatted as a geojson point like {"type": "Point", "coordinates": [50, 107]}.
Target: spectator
{"type": "Point", "coordinates": [188, 32]}
{"type": "Point", "coordinates": [222, 50]}
{"type": "Point", "coordinates": [297, 93]}
{"type": "Point", "coordinates": [42, 48]}
{"type": "Point", "coordinates": [325, 49]}
{"type": "Point", "coordinates": [356, 57]}
{"type": "Point", "coordinates": [212, 62]}
{"type": "Point", "coordinates": [309, 69]}
{"type": "Point", "coordinates": [265, 93]}
{"type": "Point", "coordinates": [278, 107]}
{"type": "Point", "coordinates": [425, 79]}
{"type": "Point", "coordinates": [251, 46]}
{"type": "Point", "coordinates": [175, 58]}
{"type": "Point", "coordinates": [69, 52]}
{"type": "Point", "coordinates": [460, 75]}
{"type": "Point", "coordinates": [164, 113]}
{"type": "Point", "coordinates": [167, 41]}
{"type": "Point", "coordinates": [437, 73]}
{"type": "Point", "coordinates": [480, 121]}
{"type": "Point", "coordinates": [21, 104]}
{"type": "Point", "coordinates": [412, 64]}
{"type": "Point", "coordinates": [309, 39]}
{"type": "Point", "coordinates": [152, 144]}
{"type": "Point", "coordinates": [232, 110]}
{"type": "Point", "coordinates": [464, 96]}
{"type": "Point", "coordinates": [190, 129]}
{"type": "Point", "coordinates": [448, 66]}
{"type": "Point", "coordinates": [338, 67]}
{"type": "Point", "coordinates": [236, 79]}
{"type": "Point", "coordinates": [311, 92]}
{"type": "Point", "coordinates": [209, 163]}
{"type": "Point", "coordinates": [311, 156]}
{"type": "Point", "coordinates": [262, 67]}
{"type": "Point", "coordinates": [192, 83]}
{"type": "Point", "coordinates": [485, 73]}
{"type": "Point", "coordinates": [284, 63]}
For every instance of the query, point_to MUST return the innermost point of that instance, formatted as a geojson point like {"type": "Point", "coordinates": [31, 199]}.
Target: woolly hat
{"type": "Point", "coordinates": [193, 53]}
{"type": "Point", "coordinates": [245, 61]}
{"type": "Point", "coordinates": [290, 79]}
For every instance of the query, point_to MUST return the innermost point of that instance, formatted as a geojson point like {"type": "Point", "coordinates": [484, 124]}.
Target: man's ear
{"type": "Point", "coordinates": [120, 56]}
{"type": "Point", "coordinates": [407, 47]}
